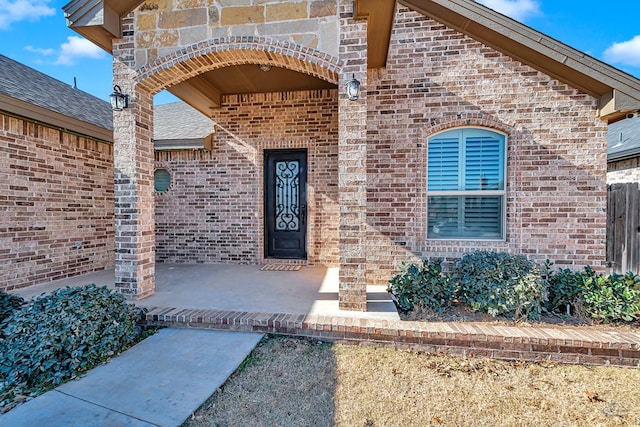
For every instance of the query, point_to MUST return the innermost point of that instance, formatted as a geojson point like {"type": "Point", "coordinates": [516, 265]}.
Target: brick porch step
{"type": "Point", "coordinates": [575, 345]}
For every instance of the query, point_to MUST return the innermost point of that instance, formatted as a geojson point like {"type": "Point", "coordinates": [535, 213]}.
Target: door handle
{"type": "Point", "coordinates": [303, 214]}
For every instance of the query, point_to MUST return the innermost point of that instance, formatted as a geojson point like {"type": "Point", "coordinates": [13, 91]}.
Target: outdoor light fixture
{"type": "Point", "coordinates": [119, 100]}
{"type": "Point", "coordinates": [264, 67]}
{"type": "Point", "coordinates": [353, 89]}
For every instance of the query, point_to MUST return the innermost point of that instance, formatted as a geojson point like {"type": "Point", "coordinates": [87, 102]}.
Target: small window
{"type": "Point", "coordinates": [161, 180]}
{"type": "Point", "coordinates": [466, 185]}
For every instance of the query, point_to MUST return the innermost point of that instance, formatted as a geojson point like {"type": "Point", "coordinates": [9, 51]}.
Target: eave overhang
{"type": "Point", "coordinates": [624, 155]}
{"type": "Point", "coordinates": [98, 20]}
{"type": "Point", "coordinates": [52, 118]}
{"type": "Point", "coordinates": [205, 143]}
{"type": "Point", "coordinates": [380, 15]}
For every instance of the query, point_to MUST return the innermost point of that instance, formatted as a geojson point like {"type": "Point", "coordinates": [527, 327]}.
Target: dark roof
{"type": "Point", "coordinates": [26, 84]}
{"type": "Point", "coordinates": [624, 139]}
{"type": "Point", "coordinates": [180, 123]}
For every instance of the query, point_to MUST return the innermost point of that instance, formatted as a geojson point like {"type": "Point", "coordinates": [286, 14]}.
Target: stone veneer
{"type": "Point", "coordinates": [56, 203]}
{"type": "Point", "coordinates": [213, 210]}
{"type": "Point", "coordinates": [164, 26]}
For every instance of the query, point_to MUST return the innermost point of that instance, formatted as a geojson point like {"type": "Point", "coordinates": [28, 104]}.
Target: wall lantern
{"type": "Point", "coordinates": [353, 89]}
{"type": "Point", "coordinates": [119, 100]}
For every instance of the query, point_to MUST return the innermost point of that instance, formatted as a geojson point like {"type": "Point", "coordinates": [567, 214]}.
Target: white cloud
{"type": "Point", "coordinates": [43, 52]}
{"type": "Point", "coordinates": [624, 53]}
{"type": "Point", "coordinates": [76, 48]}
{"type": "Point", "coordinates": [519, 10]}
{"type": "Point", "coordinates": [23, 10]}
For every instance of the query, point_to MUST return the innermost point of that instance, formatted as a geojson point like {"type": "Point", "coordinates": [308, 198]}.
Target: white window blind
{"type": "Point", "coordinates": [444, 163]}
{"type": "Point", "coordinates": [466, 188]}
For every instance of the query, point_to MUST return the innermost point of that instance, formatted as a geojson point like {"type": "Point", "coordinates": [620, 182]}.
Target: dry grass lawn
{"type": "Point", "coordinates": [297, 382]}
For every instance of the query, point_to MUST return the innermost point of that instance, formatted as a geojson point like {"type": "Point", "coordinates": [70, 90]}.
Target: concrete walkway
{"type": "Point", "coordinates": [159, 382]}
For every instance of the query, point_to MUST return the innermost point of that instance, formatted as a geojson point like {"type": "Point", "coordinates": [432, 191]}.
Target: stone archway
{"type": "Point", "coordinates": [218, 53]}
{"type": "Point", "coordinates": [133, 141]}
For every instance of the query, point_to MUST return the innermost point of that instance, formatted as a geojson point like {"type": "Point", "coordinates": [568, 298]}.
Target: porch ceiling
{"type": "Point", "coordinates": [203, 92]}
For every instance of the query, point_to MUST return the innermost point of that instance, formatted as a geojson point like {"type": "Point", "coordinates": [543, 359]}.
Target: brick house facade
{"type": "Point", "coordinates": [57, 203]}
{"type": "Point", "coordinates": [523, 117]}
{"type": "Point", "coordinates": [223, 185]}
{"type": "Point", "coordinates": [56, 179]}
{"type": "Point", "coordinates": [621, 171]}
{"type": "Point", "coordinates": [623, 154]}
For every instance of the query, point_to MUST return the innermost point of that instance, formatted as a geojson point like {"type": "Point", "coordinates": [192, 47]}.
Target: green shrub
{"type": "Point", "coordinates": [501, 284]}
{"type": "Point", "coordinates": [604, 298]}
{"type": "Point", "coordinates": [566, 288]}
{"type": "Point", "coordinates": [423, 285]}
{"type": "Point", "coordinates": [54, 337]}
{"type": "Point", "coordinates": [612, 298]}
{"type": "Point", "coordinates": [9, 303]}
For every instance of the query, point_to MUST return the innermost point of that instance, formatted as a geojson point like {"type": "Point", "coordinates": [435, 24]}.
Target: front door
{"type": "Point", "coordinates": [285, 203]}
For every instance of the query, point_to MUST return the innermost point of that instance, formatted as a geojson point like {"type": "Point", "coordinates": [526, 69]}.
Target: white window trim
{"type": "Point", "coordinates": [502, 193]}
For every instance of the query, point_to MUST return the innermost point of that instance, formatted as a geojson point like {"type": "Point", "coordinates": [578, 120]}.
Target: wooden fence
{"type": "Point", "coordinates": [623, 228]}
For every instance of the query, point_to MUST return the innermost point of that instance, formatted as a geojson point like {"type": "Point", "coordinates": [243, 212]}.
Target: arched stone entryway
{"type": "Point", "coordinates": [218, 53]}
{"type": "Point", "coordinates": [134, 157]}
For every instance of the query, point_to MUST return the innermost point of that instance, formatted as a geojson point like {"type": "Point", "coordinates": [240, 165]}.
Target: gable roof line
{"type": "Point", "coordinates": [617, 91]}
{"type": "Point", "coordinates": [623, 139]}
{"type": "Point", "coordinates": [34, 95]}
{"type": "Point", "coordinates": [624, 155]}
{"type": "Point", "coordinates": [22, 109]}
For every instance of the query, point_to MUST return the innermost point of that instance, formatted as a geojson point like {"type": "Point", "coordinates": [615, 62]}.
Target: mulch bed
{"type": "Point", "coordinates": [461, 313]}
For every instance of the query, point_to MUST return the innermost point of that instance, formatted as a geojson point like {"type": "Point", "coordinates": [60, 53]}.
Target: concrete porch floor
{"type": "Point", "coordinates": [305, 303]}
{"type": "Point", "coordinates": [240, 288]}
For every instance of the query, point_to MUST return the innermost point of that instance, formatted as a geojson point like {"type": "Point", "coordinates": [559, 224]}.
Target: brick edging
{"type": "Point", "coordinates": [561, 345]}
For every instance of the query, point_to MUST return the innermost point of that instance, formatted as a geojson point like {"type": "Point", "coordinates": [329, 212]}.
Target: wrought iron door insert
{"type": "Point", "coordinates": [285, 173]}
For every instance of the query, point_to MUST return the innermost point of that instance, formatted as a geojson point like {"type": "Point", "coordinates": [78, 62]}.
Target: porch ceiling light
{"type": "Point", "coordinates": [119, 100]}
{"type": "Point", "coordinates": [353, 89]}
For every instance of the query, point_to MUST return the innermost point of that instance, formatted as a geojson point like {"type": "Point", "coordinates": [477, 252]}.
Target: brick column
{"type": "Point", "coordinates": [352, 163]}
{"type": "Point", "coordinates": [133, 174]}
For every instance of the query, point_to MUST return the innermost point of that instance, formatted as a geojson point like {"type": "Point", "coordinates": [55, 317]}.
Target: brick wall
{"type": "Point", "coordinates": [56, 204]}
{"type": "Point", "coordinates": [133, 175]}
{"type": "Point", "coordinates": [352, 159]}
{"type": "Point", "coordinates": [624, 171]}
{"type": "Point", "coordinates": [213, 211]}
{"type": "Point", "coordinates": [437, 78]}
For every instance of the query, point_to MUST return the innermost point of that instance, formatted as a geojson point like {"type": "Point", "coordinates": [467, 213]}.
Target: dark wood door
{"type": "Point", "coordinates": [285, 204]}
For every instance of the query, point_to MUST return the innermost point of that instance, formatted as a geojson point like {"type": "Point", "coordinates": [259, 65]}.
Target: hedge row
{"type": "Point", "coordinates": [513, 286]}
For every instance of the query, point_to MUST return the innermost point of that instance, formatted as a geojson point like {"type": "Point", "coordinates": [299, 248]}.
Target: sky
{"type": "Point", "coordinates": [34, 32]}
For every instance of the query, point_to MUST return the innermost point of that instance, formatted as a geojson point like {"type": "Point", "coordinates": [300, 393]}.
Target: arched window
{"type": "Point", "coordinates": [466, 185]}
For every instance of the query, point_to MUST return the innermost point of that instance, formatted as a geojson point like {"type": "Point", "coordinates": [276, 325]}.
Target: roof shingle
{"type": "Point", "coordinates": [26, 84]}
{"type": "Point", "coordinates": [624, 139]}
